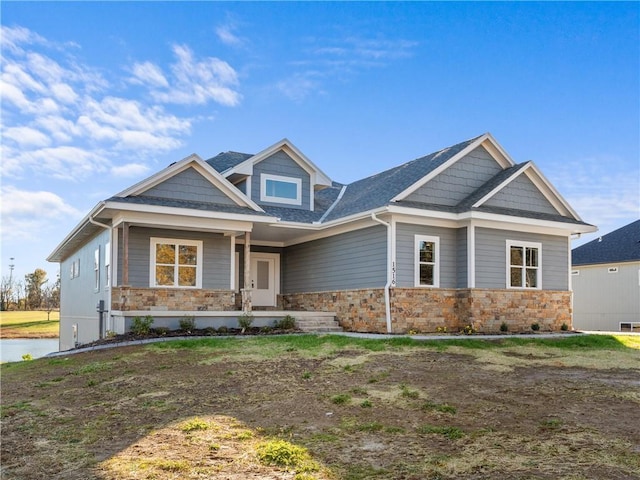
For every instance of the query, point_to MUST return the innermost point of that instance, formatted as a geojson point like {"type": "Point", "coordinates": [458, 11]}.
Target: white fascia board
{"type": "Point", "coordinates": [522, 224]}
{"type": "Point", "coordinates": [76, 230]}
{"type": "Point", "coordinates": [158, 220]}
{"type": "Point", "coordinates": [123, 208]}
{"type": "Point", "coordinates": [550, 192]}
{"type": "Point", "coordinates": [246, 167]}
{"type": "Point", "coordinates": [204, 169]}
{"type": "Point", "coordinates": [486, 140]}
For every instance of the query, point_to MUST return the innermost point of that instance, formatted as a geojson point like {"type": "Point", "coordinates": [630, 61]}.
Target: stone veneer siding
{"type": "Point", "coordinates": [187, 299]}
{"type": "Point", "coordinates": [426, 310]}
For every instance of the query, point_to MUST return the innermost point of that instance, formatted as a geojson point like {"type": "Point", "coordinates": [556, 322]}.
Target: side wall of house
{"type": "Point", "coordinates": [491, 258]}
{"type": "Point", "coordinates": [406, 255]}
{"type": "Point", "coordinates": [80, 295]}
{"type": "Point", "coordinates": [189, 185]}
{"type": "Point", "coordinates": [602, 299]}
{"type": "Point", "coordinates": [280, 164]}
{"type": "Point", "coordinates": [459, 180]}
{"type": "Point", "coordinates": [216, 273]}
{"type": "Point", "coordinates": [352, 260]}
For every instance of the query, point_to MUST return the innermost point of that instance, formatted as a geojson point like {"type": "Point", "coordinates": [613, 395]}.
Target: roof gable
{"type": "Point", "coordinates": [151, 185]}
{"type": "Point", "coordinates": [621, 245]}
{"type": "Point", "coordinates": [245, 167]}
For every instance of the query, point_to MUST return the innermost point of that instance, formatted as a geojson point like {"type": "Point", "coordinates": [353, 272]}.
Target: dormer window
{"type": "Point", "coordinates": [278, 189]}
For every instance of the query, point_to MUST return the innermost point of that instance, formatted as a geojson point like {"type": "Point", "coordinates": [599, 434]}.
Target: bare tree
{"type": "Point", "coordinates": [51, 296]}
{"type": "Point", "coordinates": [6, 292]}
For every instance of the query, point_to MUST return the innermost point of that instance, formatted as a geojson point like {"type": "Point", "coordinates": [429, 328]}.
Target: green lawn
{"type": "Point", "coordinates": [32, 324]}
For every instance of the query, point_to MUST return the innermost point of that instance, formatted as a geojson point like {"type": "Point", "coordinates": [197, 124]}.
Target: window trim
{"type": "Point", "coordinates": [264, 177]}
{"type": "Point", "coordinates": [96, 269]}
{"type": "Point", "coordinates": [436, 263]}
{"type": "Point", "coordinates": [523, 244]}
{"type": "Point", "coordinates": [153, 241]}
{"type": "Point", "coordinates": [107, 265]}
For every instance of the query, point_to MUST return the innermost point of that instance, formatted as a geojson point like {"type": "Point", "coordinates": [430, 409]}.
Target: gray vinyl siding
{"type": "Point", "coordinates": [601, 300]}
{"type": "Point", "coordinates": [490, 253]}
{"type": "Point", "coordinates": [459, 180]}
{"type": "Point", "coordinates": [78, 296]}
{"type": "Point", "coordinates": [216, 256]}
{"type": "Point", "coordinates": [522, 194]}
{"type": "Point", "coordinates": [405, 253]}
{"type": "Point", "coordinates": [189, 185]}
{"type": "Point", "coordinates": [280, 164]}
{"type": "Point", "coordinates": [349, 260]}
{"type": "Point", "coordinates": [461, 258]}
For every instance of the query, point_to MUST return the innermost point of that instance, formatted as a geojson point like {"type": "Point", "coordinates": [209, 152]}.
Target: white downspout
{"type": "Point", "coordinates": [387, 299]}
{"type": "Point", "coordinates": [107, 227]}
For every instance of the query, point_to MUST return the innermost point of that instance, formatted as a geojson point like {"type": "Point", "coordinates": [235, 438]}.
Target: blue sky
{"type": "Point", "coordinates": [97, 96]}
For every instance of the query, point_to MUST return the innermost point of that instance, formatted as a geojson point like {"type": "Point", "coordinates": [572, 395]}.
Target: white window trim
{"type": "Point", "coordinates": [278, 178]}
{"type": "Point", "coordinates": [96, 269]}
{"type": "Point", "coordinates": [174, 241]}
{"type": "Point", "coordinates": [107, 265]}
{"type": "Point", "coordinates": [436, 265]}
{"type": "Point", "coordinates": [519, 243]}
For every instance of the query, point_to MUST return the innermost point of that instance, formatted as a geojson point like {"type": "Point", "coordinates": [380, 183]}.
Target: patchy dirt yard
{"type": "Point", "coordinates": [361, 409]}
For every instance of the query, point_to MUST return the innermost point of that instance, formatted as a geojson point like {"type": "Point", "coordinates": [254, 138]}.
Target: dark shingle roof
{"type": "Point", "coordinates": [621, 245]}
{"type": "Point", "coordinates": [226, 160]}
{"type": "Point", "coordinates": [378, 190]}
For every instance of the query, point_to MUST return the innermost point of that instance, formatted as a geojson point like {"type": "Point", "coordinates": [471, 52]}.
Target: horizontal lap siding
{"type": "Point", "coordinates": [216, 256]}
{"type": "Point", "coordinates": [280, 164]}
{"type": "Point", "coordinates": [405, 253]}
{"type": "Point", "coordinates": [491, 269]}
{"type": "Point", "coordinates": [459, 180]}
{"type": "Point", "coordinates": [522, 194]}
{"type": "Point", "coordinates": [349, 260]}
{"type": "Point", "coordinates": [191, 186]}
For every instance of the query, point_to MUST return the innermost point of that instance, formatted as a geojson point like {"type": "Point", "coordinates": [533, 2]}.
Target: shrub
{"type": "Point", "coordinates": [161, 330]}
{"type": "Point", "coordinates": [223, 329]}
{"type": "Point", "coordinates": [141, 326]}
{"type": "Point", "coordinates": [287, 323]}
{"type": "Point", "coordinates": [504, 327]}
{"type": "Point", "coordinates": [188, 323]}
{"type": "Point", "coordinates": [564, 327]}
{"type": "Point", "coordinates": [27, 357]}
{"type": "Point", "coordinates": [468, 330]}
{"type": "Point", "coordinates": [245, 320]}
{"type": "Point", "coordinates": [535, 327]}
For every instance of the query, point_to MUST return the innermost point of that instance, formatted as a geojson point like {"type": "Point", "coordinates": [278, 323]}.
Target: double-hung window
{"type": "Point", "coordinates": [427, 261]}
{"type": "Point", "coordinates": [524, 261]}
{"type": "Point", "coordinates": [279, 189]}
{"type": "Point", "coordinates": [96, 269]}
{"type": "Point", "coordinates": [176, 263]}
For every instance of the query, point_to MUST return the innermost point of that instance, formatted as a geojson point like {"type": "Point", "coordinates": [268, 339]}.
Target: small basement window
{"type": "Point", "coordinates": [278, 189]}
{"type": "Point", "coordinates": [612, 270]}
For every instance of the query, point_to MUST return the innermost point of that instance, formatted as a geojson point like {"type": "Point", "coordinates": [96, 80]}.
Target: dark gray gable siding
{"type": "Point", "coordinates": [349, 260]}
{"type": "Point", "coordinates": [459, 180]}
{"type": "Point", "coordinates": [522, 194]}
{"type": "Point", "coordinates": [405, 253]}
{"type": "Point", "coordinates": [216, 256]}
{"type": "Point", "coordinates": [280, 164]}
{"type": "Point", "coordinates": [491, 258]}
{"type": "Point", "coordinates": [189, 185]}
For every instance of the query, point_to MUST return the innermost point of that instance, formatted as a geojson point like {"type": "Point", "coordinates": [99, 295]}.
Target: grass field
{"type": "Point", "coordinates": [31, 324]}
{"type": "Point", "coordinates": [305, 407]}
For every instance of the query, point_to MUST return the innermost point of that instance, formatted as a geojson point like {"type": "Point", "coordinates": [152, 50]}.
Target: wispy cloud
{"type": "Point", "coordinates": [21, 212]}
{"type": "Point", "coordinates": [226, 34]}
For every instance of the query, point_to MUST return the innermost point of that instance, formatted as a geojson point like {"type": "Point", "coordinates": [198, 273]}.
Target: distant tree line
{"type": "Point", "coordinates": [36, 292]}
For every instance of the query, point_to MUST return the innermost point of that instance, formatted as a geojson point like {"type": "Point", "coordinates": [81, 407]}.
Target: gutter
{"type": "Point", "coordinates": [387, 286]}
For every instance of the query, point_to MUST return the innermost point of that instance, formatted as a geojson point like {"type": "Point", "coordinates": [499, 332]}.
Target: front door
{"type": "Point", "coordinates": [265, 279]}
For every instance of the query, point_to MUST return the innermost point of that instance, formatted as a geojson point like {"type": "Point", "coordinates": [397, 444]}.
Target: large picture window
{"type": "Point", "coordinates": [427, 258]}
{"type": "Point", "coordinates": [278, 189]}
{"type": "Point", "coordinates": [524, 260]}
{"type": "Point", "coordinates": [176, 263]}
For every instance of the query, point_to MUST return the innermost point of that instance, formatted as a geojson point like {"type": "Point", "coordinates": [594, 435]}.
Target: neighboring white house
{"type": "Point", "coordinates": [605, 278]}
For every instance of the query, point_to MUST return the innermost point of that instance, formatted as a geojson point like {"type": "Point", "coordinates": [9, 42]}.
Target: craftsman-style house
{"type": "Point", "coordinates": [463, 236]}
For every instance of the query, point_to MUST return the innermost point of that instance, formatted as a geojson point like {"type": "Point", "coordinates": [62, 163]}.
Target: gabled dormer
{"type": "Point", "coordinates": [279, 176]}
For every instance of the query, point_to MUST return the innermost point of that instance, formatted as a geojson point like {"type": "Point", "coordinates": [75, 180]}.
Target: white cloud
{"type": "Point", "coordinates": [27, 137]}
{"type": "Point", "coordinates": [22, 212]}
{"type": "Point", "coordinates": [130, 170]}
{"type": "Point", "coordinates": [227, 36]}
{"type": "Point", "coordinates": [149, 74]}
{"type": "Point", "coordinates": [12, 37]}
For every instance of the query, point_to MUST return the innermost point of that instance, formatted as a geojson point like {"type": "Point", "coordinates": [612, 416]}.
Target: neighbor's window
{"type": "Point", "coordinates": [96, 268]}
{"type": "Point", "coordinates": [524, 261]}
{"type": "Point", "coordinates": [176, 263]}
{"type": "Point", "coordinates": [274, 188]}
{"type": "Point", "coordinates": [427, 255]}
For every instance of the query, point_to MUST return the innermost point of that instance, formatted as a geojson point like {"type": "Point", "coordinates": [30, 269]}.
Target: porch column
{"type": "Point", "coordinates": [246, 291]}
{"type": "Point", "coordinates": [125, 250]}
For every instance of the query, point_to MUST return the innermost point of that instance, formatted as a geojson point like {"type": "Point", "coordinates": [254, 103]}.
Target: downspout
{"type": "Point", "coordinates": [106, 227]}
{"type": "Point", "coordinates": [387, 286]}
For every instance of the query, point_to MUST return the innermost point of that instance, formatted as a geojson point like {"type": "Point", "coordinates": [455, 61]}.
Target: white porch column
{"type": "Point", "coordinates": [246, 291]}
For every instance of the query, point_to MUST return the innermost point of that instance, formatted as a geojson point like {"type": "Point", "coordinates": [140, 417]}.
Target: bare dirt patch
{"type": "Point", "coordinates": [361, 410]}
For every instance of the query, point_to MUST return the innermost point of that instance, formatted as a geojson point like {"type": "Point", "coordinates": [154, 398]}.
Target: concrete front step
{"type": "Point", "coordinates": [318, 323]}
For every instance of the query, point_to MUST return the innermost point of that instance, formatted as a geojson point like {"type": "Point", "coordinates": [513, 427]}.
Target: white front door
{"type": "Point", "coordinates": [265, 279]}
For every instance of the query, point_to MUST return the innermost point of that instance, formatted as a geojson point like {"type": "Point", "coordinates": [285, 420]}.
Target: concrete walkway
{"type": "Point", "coordinates": [372, 336]}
